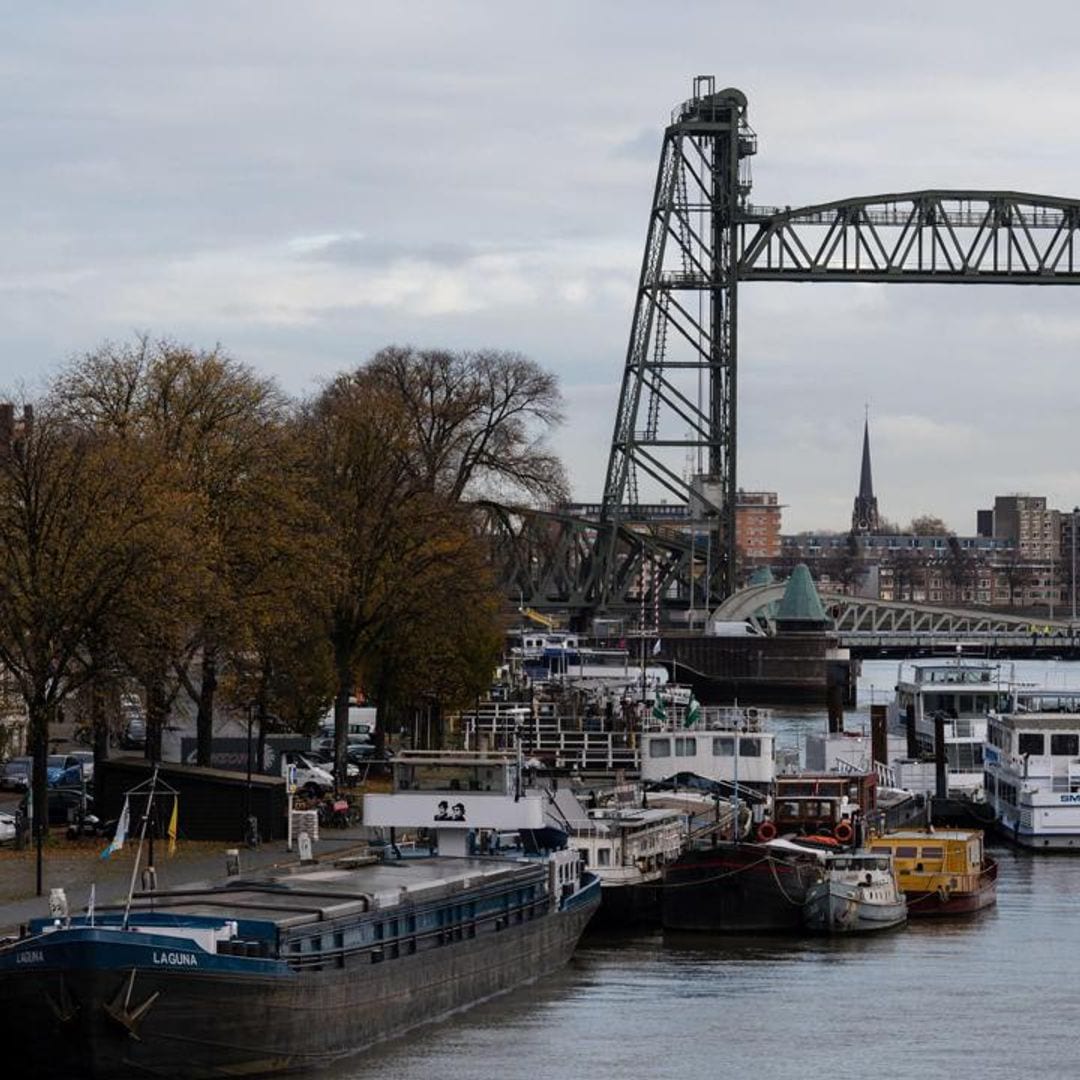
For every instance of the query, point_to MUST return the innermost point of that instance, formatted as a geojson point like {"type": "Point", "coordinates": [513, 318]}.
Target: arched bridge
{"type": "Point", "coordinates": [856, 617]}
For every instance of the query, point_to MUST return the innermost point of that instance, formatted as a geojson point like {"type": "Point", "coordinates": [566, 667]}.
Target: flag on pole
{"type": "Point", "coordinates": [693, 712]}
{"type": "Point", "coordinates": [173, 821]}
{"type": "Point", "coordinates": [117, 842]}
{"type": "Point", "coordinates": [658, 710]}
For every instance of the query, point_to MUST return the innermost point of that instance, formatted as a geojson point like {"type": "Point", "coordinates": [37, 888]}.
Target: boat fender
{"type": "Point", "coordinates": [844, 832]}
{"type": "Point", "coordinates": [766, 831]}
{"type": "Point", "coordinates": [943, 893]}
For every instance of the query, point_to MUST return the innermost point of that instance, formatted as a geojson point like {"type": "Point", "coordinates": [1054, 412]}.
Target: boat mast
{"type": "Point", "coordinates": [138, 852]}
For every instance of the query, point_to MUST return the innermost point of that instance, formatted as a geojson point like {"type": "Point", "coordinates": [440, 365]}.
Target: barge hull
{"type": "Point", "coordinates": [199, 1024]}
{"type": "Point", "coordinates": [735, 888]}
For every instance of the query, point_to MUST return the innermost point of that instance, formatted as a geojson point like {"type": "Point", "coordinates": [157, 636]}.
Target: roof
{"type": "Point", "coordinates": [801, 602]}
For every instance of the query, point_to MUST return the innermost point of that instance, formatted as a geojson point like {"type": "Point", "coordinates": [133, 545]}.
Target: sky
{"type": "Point", "coordinates": [306, 183]}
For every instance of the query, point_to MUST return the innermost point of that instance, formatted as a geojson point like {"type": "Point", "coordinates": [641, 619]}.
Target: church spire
{"type": "Point", "coordinates": [864, 516]}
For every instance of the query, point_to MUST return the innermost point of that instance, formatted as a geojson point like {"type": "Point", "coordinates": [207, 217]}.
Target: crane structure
{"type": "Point", "coordinates": [676, 423]}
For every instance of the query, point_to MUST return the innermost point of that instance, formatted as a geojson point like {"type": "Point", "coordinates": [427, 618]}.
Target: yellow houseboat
{"type": "Point", "coordinates": [946, 872]}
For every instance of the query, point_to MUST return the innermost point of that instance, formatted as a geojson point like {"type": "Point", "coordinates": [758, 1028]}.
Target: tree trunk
{"type": "Point", "coordinates": [157, 709]}
{"type": "Point", "coordinates": [343, 670]}
{"type": "Point", "coordinates": [38, 740]}
{"type": "Point", "coordinates": [99, 723]}
{"type": "Point", "coordinates": [204, 723]}
{"type": "Point", "coordinates": [262, 707]}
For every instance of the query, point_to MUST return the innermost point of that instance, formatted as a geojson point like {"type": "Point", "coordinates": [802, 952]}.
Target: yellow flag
{"type": "Point", "coordinates": [173, 824]}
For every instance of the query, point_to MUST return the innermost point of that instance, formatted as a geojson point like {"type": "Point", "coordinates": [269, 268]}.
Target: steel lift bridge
{"type": "Point", "coordinates": [677, 421]}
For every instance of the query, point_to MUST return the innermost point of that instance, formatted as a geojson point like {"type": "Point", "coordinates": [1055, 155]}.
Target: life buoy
{"type": "Point", "coordinates": [844, 832]}
{"type": "Point", "coordinates": [766, 831]}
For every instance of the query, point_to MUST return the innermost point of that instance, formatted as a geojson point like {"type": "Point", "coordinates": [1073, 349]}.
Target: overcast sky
{"type": "Point", "coordinates": [305, 183]}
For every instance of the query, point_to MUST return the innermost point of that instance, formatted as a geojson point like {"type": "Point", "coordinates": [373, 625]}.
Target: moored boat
{"type": "Point", "coordinates": [858, 894]}
{"type": "Point", "coordinates": [727, 887]}
{"type": "Point", "coordinates": [300, 966]}
{"type": "Point", "coordinates": [942, 872]}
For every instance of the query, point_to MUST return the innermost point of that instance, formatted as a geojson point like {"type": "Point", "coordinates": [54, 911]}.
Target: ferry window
{"type": "Point", "coordinates": [881, 850]}
{"type": "Point", "coordinates": [659, 748]}
{"type": "Point", "coordinates": [750, 748]}
{"type": "Point", "coordinates": [789, 810]}
{"type": "Point", "coordinates": [584, 853]}
{"type": "Point", "coordinates": [724, 746]}
{"type": "Point", "coordinates": [603, 856]}
{"type": "Point", "coordinates": [1065, 745]}
{"type": "Point", "coordinates": [685, 747]}
{"type": "Point", "coordinates": [933, 853]}
{"type": "Point", "coordinates": [906, 852]}
{"type": "Point", "coordinates": [1031, 742]}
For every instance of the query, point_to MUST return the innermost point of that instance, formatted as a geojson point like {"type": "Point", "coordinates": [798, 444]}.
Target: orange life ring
{"type": "Point", "coordinates": [766, 831]}
{"type": "Point", "coordinates": [844, 832]}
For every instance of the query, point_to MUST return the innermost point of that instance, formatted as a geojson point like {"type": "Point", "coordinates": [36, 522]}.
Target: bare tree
{"type": "Point", "coordinates": [478, 420]}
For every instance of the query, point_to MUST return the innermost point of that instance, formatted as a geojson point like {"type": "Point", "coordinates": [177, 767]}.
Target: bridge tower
{"type": "Point", "coordinates": [675, 428]}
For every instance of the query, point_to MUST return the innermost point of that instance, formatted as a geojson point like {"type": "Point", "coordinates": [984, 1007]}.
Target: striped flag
{"type": "Point", "coordinates": [117, 842]}
{"type": "Point", "coordinates": [173, 822]}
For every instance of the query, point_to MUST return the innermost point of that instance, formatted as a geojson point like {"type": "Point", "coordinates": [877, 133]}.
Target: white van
{"type": "Point", "coordinates": [361, 723]}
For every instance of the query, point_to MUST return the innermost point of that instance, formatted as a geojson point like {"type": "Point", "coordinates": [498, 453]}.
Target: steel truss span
{"type": "Point", "coordinates": [857, 615]}
{"type": "Point", "coordinates": [547, 561]}
{"type": "Point", "coordinates": [964, 237]}
{"type": "Point", "coordinates": [676, 421]}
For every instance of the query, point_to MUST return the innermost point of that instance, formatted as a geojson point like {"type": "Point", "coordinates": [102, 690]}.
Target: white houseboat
{"type": "Point", "coordinates": [1032, 769]}
{"type": "Point", "coordinates": [964, 692]}
{"type": "Point", "coordinates": [627, 847]}
{"type": "Point", "coordinates": [724, 743]}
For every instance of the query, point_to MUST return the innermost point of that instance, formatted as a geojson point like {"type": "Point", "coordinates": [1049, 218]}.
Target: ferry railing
{"type": "Point", "coordinates": [712, 718]}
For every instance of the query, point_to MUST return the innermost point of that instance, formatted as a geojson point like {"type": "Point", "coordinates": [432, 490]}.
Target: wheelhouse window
{"type": "Point", "coordinates": [659, 748]}
{"type": "Point", "coordinates": [723, 746]}
{"type": "Point", "coordinates": [750, 748]}
{"type": "Point", "coordinates": [685, 747]}
{"type": "Point", "coordinates": [1031, 742]}
{"type": "Point", "coordinates": [603, 856]}
{"type": "Point", "coordinates": [1065, 745]}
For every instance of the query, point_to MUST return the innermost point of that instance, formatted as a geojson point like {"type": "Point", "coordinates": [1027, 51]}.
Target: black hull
{"type": "Point", "coordinates": [209, 1025]}
{"type": "Point", "coordinates": [624, 906]}
{"type": "Point", "coordinates": [736, 888]}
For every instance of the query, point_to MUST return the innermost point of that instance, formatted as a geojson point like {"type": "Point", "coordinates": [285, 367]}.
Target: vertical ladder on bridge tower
{"type": "Point", "coordinates": [679, 381]}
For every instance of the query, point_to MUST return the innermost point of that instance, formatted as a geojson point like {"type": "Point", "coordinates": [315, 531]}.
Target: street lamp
{"type": "Point", "coordinates": [1072, 531]}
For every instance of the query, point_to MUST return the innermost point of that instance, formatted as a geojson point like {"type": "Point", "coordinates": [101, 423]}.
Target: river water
{"type": "Point", "coordinates": [994, 996]}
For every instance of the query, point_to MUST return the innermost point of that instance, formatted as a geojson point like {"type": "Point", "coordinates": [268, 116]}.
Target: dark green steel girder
{"type": "Point", "coordinates": [957, 236]}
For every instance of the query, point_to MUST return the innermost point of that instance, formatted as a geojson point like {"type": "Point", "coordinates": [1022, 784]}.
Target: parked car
{"type": "Point", "coordinates": [311, 777]}
{"type": "Point", "coordinates": [65, 805]}
{"type": "Point", "coordinates": [8, 828]}
{"type": "Point", "coordinates": [56, 765]}
{"type": "Point", "coordinates": [87, 759]}
{"type": "Point", "coordinates": [16, 773]}
{"type": "Point", "coordinates": [133, 737]}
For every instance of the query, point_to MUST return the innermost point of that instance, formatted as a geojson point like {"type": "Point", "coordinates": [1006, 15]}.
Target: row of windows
{"type": "Point", "coordinates": [1034, 743]}
{"type": "Point", "coordinates": [722, 746]}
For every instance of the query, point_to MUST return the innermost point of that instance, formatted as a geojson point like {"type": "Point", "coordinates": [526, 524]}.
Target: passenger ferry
{"type": "Point", "coordinates": [941, 871]}
{"type": "Point", "coordinates": [300, 966]}
{"type": "Point", "coordinates": [964, 692]}
{"type": "Point", "coordinates": [1032, 769]}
